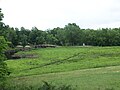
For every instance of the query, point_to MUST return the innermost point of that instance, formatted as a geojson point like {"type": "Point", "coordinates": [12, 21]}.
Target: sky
{"type": "Point", "coordinates": [49, 14]}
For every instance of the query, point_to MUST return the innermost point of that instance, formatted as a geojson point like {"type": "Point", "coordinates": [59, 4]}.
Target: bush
{"type": "Point", "coordinates": [45, 86]}
{"type": "Point", "coordinates": [9, 53]}
{"type": "Point", "coordinates": [3, 65]}
{"type": "Point", "coordinates": [48, 86]}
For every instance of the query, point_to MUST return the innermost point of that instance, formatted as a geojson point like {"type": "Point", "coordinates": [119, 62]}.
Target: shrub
{"type": "Point", "coordinates": [3, 65]}
{"type": "Point", "coordinates": [45, 86]}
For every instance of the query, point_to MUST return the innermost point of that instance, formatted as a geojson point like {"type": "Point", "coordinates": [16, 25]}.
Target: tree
{"type": "Point", "coordinates": [3, 65]}
{"type": "Point", "coordinates": [60, 35]}
{"type": "Point", "coordinates": [40, 40]}
{"type": "Point", "coordinates": [24, 40]}
{"type": "Point", "coordinates": [1, 23]}
{"type": "Point", "coordinates": [32, 36]}
{"type": "Point", "coordinates": [12, 36]}
{"type": "Point", "coordinates": [3, 46]}
{"type": "Point", "coordinates": [72, 31]}
{"type": "Point", "coordinates": [1, 15]}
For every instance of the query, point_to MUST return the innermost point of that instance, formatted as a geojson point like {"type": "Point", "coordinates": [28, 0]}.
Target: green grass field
{"type": "Point", "coordinates": [86, 68]}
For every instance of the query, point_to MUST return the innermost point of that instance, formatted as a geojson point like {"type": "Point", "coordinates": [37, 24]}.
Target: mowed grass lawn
{"type": "Point", "coordinates": [90, 68]}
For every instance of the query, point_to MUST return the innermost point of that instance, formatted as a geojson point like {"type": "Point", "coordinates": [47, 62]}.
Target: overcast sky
{"type": "Point", "coordinates": [46, 14]}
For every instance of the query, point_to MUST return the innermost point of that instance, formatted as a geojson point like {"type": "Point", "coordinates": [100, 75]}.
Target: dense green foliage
{"type": "Point", "coordinates": [3, 66]}
{"type": "Point", "coordinates": [3, 46]}
{"type": "Point", "coordinates": [70, 35]}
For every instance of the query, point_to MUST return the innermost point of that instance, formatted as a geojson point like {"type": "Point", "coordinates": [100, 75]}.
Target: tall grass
{"type": "Point", "coordinates": [90, 68]}
{"type": "Point", "coordinates": [44, 86]}
{"type": "Point", "coordinates": [62, 59]}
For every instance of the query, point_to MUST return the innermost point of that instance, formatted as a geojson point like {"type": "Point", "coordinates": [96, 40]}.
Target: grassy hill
{"type": "Point", "coordinates": [104, 78]}
{"type": "Point", "coordinates": [90, 68]}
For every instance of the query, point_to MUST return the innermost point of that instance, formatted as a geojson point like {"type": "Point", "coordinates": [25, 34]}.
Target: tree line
{"type": "Point", "coordinates": [70, 35]}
